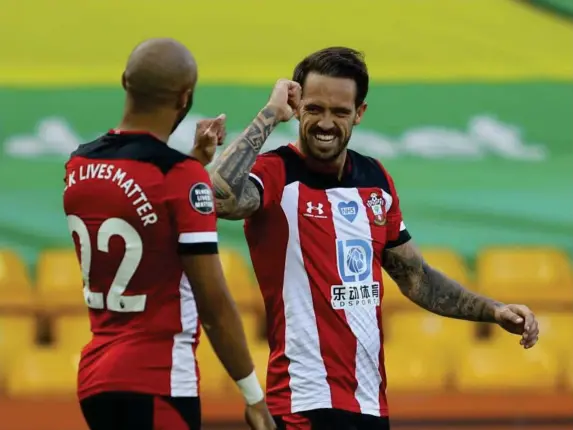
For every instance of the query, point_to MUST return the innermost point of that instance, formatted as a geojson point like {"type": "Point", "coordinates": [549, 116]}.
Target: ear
{"type": "Point", "coordinates": [123, 81]}
{"type": "Point", "coordinates": [184, 99]}
{"type": "Point", "coordinates": [359, 113]}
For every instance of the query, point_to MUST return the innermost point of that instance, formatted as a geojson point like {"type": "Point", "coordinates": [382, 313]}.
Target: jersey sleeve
{"type": "Point", "coordinates": [397, 232]}
{"type": "Point", "coordinates": [192, 209]}
{"type": "Point", "coordinates": [268, 176]}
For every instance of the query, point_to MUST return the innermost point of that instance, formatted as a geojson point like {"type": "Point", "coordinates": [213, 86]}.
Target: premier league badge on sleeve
{"type": "Point", "coordinates": [378, 207]}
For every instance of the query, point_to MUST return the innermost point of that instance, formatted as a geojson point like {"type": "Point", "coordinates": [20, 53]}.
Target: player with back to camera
{"type": "Point", "coordinates": [321, 222]}
{"type": "Point", "coordinates": [142, 219]}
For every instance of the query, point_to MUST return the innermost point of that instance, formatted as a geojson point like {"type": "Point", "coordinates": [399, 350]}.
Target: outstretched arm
{"type": "Point", "coordinates": [432, 290]}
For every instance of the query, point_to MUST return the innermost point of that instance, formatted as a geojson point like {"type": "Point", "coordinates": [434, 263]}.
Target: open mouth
{"type": "Point", "coordinates": [326, 138]}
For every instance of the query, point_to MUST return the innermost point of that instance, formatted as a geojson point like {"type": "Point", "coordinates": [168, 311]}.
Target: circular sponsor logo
{"type": "Point", "coordinates": [201, 198]}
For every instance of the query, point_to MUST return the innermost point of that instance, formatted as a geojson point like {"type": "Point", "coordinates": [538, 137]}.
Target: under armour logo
{"type": "Point", "coordinates": [317, 208]}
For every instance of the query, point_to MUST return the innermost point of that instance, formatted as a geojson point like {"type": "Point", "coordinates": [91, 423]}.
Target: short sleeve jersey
{"type": "Point", "coordinates": [133, 205]}
{"type": "Point", "coordinates": [316, 244]}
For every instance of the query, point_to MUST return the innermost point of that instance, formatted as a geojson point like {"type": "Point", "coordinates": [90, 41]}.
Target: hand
{"type": "Point", "coordinates": [285, 99]}
{"type": "Point", "coordinates": [518, 319]}
{"type": "Point", "coordinates": [258, 417]}
{"type": "Point", "coordinates": [209, 134]}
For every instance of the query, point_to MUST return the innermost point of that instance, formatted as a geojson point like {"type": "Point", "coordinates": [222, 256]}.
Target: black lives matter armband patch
{"type": "Point", "coordinates": [201, 198]}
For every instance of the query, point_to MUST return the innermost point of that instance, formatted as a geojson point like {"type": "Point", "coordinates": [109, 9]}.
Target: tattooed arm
{"type": "Point", "coordinates": [236, 196]}
{"type": "Point", "coordinates": [432, 290]}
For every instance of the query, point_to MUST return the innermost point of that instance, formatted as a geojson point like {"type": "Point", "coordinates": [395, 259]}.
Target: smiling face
{"type": "Point", "coordinates": [327, 114]}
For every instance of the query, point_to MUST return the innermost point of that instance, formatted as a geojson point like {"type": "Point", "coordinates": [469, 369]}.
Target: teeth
{"type": "Point", "coordinates": [325, 137]}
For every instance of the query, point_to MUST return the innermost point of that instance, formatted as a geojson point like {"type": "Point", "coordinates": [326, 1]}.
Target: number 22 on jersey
{"type": "Point", "coordinates": [114, 300]}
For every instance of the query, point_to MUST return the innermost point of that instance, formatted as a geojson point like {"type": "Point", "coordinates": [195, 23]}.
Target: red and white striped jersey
{"type": "Point", "coordinates": [133, 205]}
{"type": "Point", "coordinates": [316, 245]}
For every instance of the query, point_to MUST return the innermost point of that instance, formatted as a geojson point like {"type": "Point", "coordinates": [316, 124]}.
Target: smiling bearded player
{"type": "Point", "coordinates": [321, 223]}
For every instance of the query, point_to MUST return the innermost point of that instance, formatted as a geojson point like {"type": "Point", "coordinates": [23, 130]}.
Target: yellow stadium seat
{"type": "Point", "coordinates": [240, 279]}
{"type": "Point", "coordinates": [533, 275]}
{"type": "Point", "coordinates": [422, 331]}
{"type": "Point", "coordinates": [448, 262]}
{"type": "Point", "coordinates": [42, 371]}
{"type": "Point", "coordinates": [59, 280]}
{"type": "Point", "coordinates": [15, 286]}
{"type": "Point", "coordinates": [502, 364]}
{"type": "Point", "coordinates": [213, 376]}
{"type": "Point", "coordinates": [393, 297]}
{"type": "Point", "coordinates": [408, 370]}
{"type": "Point", "coordinates": [72, 332]}
{"type": "Point", "coordinates": [17, 333]}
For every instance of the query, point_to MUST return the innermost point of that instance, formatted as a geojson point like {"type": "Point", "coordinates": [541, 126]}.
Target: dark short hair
{"type": "Point", "coordinates": [336, 62]}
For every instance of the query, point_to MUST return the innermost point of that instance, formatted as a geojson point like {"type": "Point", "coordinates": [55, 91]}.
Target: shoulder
{"type": "Point", "coordinates": [271, 163]}
{"type": "Point", "coordinates": [134, 148]}
{"type": "Point", "coordinates": [370, 170]}
{"type": "Point", "coordinates": [188, 170]}
{"type": "Point", "coordinates": [273, 157]}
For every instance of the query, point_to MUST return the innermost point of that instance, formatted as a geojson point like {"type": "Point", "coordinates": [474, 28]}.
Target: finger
{"type": "Point", "coordinates": [529, 320]}
{"type": "Point", "coordinates": [203, 124]}
{"type": "Point", "coordinates": [219, 121]}
{"type": "Point", "coordinates": [210, 138]}
{"type": "Point", "coordinates": [533, 333]}
{"type": "Point", "coordinates": [295, 91]}
{"type": "Point", "coordinates": [221, 138]}
{"type": "Point", "coordinates": [293, 86]}
{"type": "Point", "coordinates": [282, 84]}
{"type": "Point", "coordinates": [531, 342]}
{"type": "Point", "coordinates": [218, 124]}
{"type": "Point", "coordinates": [531, 327]}
{"type": "Point", "coordinates": [510, 315]}
{"type": "Point", "coordinates": [294, 101]}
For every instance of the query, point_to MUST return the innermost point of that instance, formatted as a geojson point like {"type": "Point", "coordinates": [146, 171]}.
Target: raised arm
{"type": "Point", "coordinates": [237, 197]}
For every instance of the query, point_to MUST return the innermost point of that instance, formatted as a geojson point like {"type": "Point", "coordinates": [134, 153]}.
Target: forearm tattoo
{"type": "Point", "coordinates": [236, 196]}
{"type": "Point", "coordinates": [432, 290]}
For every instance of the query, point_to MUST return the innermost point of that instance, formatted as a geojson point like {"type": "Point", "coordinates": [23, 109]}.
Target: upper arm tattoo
{"type": "Point", "coordinates": [229, 174]}
{"type": "Point", "coordinates": [433, 290]}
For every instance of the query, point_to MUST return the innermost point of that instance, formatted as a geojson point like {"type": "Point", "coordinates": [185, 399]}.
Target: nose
{"type": "Point", "coordinates": [326, 123]}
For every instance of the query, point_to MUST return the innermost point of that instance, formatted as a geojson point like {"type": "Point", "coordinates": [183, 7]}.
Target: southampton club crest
{"type": "Point", "coordinates": [377, 205]}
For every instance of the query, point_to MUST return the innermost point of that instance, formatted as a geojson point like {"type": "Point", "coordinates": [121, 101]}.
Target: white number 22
{"type": "Point", "coordinates": [115, 300]}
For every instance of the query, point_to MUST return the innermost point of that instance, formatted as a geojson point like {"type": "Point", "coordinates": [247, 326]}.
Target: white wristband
{"type": "Point", "coordinates": [251, 389]}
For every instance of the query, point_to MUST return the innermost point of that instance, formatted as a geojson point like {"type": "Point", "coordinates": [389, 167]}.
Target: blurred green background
{"type": "Point", "coordinates": [472, 116]}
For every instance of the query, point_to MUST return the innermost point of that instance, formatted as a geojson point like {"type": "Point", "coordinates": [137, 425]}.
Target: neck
{"type": "Point", "coordinates": [156, 123]}
{"type": "Point", "coordinates": [331, 166]}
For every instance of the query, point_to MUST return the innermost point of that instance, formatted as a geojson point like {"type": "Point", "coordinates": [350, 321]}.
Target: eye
{"type": "Point", "coordinates": [313, 109]}
{"type": "Point", "coordinates": [341, 113]}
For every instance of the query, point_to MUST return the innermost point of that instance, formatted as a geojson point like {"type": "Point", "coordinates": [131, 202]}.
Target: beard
{"type": "Point", "coordinates": [182, 114]}
{"type": "Point", "coordinates": [323, 151]}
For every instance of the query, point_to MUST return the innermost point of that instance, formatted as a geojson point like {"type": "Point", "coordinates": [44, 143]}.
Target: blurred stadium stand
{"type": "Point", "coordinates": [427, 356]}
